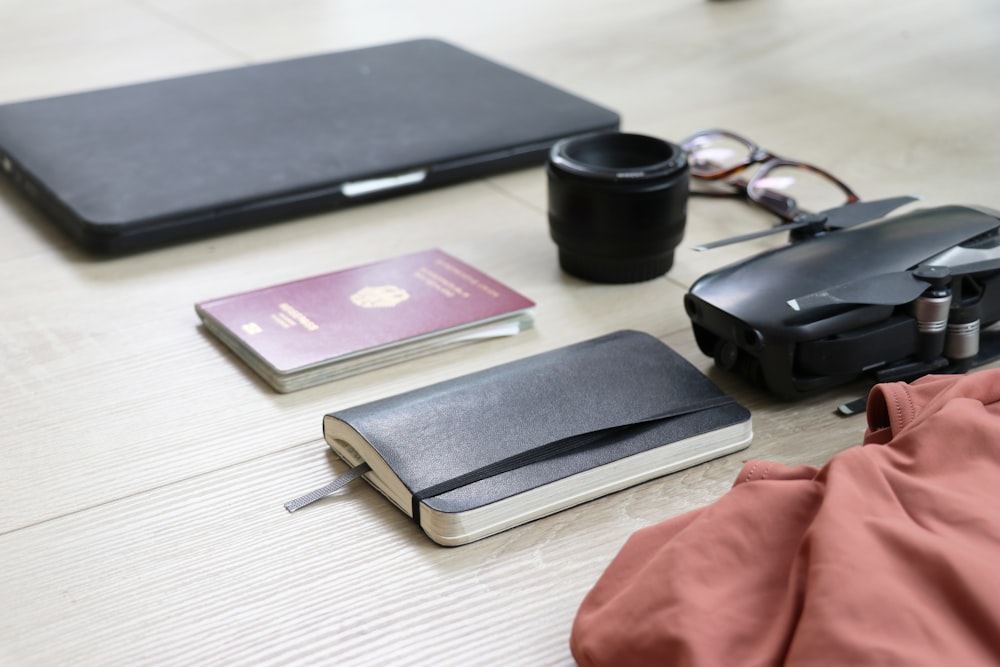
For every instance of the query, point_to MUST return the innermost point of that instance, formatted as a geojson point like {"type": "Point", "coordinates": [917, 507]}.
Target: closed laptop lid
{"type": "Point", "coordinates": [137, 164]}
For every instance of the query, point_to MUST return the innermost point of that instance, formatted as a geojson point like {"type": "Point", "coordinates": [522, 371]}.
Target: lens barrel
{"type": "Point", "coordinates": [617, 205]}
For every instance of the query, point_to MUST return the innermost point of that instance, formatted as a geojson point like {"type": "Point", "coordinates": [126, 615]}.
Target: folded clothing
{"type": "Point", "coordinates": [887, 555]}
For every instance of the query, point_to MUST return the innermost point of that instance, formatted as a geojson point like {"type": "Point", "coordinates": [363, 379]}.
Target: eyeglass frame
{"type": "Point", "coordinates": [780, 205]}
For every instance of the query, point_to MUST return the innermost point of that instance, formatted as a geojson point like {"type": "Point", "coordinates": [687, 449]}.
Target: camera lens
{"type": "Point", "coordinates": [617, 205]}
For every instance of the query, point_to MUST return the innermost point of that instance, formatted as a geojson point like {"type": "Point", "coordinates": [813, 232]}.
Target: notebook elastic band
{"type": "Point", "coordinates": [553, 449]}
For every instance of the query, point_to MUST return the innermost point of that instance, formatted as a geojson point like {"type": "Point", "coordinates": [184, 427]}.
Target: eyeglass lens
{"type": "Point", "coordinates": [714, 155]}
{"type": "Point", "coordinates": [801, 188]}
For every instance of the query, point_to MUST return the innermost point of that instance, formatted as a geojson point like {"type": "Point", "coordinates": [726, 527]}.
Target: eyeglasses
{"type": "Point", "coordinates": [787, 188]}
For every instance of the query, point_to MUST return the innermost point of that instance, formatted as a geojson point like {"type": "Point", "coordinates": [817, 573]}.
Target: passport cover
{"type": "Point", "coordinates": [337, 316]}
{"type": "Point", "coordinates": [555, 429]}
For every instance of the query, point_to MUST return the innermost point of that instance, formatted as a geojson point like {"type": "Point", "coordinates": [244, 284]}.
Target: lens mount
{"type": "Point", "coordinates": [617, 205]}
{"type": "Point", "coordinates": [618, 156]}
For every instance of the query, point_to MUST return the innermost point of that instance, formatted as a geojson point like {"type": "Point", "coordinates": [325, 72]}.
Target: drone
{"type": "Point", "coordinates": [842, 300]}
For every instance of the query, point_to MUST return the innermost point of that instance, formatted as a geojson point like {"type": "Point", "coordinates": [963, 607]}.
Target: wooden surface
{"type": "Point", "coordinates": [143, 469]}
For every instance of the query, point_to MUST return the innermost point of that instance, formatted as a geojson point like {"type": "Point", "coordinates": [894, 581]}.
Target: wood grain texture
{"type": "Point", "coordinates": [143, 468]}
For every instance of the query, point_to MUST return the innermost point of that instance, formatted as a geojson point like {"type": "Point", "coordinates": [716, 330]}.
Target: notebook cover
{"type": "Point", "coordinates": [443, 431]}
{"type": "Point", "coordinates": [336, 315]}
{"type": "Point", "coordinates": [127, 167]}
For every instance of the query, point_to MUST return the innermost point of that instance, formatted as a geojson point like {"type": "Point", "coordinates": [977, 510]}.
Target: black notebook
{"type": "Point", "coordinates": [485, 452]}
{"type": "Point", "coordinates": [128, 167]}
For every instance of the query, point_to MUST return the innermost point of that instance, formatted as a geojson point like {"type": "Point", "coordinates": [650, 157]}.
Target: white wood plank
{"type": "Point", "coordinates": [142, 468]}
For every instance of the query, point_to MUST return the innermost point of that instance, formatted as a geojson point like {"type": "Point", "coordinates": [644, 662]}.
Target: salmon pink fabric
{"type": "Point", "coordinates": [887, 555]}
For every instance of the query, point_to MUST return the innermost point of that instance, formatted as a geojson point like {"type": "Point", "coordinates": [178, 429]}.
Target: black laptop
{"type": "Point", "coordinates": [140, 165]}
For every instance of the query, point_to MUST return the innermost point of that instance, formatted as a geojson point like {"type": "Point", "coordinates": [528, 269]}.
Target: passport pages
{"type": "Point", "coordinates": [302, 333]}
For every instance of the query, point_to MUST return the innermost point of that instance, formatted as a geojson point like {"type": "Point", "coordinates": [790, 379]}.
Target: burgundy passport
{"type": "Point", "coordinates": [314, 330]}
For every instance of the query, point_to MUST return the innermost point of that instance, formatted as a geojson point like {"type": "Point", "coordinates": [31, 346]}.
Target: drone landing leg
{"type": "Point", "coordinates": [900, 372]}
{"type": "Point", "coordinates": [910, 370]}
{"type": "Point", "coordinates": [989, 351]}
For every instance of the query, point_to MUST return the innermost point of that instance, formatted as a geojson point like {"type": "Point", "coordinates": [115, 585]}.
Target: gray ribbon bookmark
{"type": "Point", "coordinates": [323, 492]}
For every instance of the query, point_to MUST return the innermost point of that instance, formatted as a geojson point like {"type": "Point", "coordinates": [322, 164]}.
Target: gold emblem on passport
{"type": "Point", "coordinates": [383, 296]}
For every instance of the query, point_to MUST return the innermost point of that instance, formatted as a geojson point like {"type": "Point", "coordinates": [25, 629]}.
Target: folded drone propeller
{"type": "Point", "coordinates": [840, 217]}
{"type": "Point", "coordinates": [891, 289]}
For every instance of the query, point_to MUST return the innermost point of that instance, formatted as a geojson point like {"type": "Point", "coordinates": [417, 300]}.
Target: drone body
{"type": "Point", "coordinates": [892, 299]}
